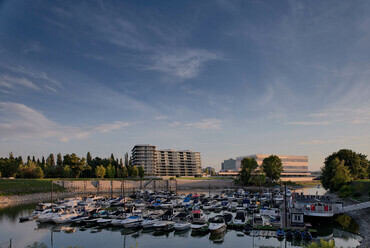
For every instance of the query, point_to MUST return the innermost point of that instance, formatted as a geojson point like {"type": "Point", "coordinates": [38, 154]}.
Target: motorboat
{"type": "Point", "coordinates": [132, 221]}
{"type": "Point", "coordinates": [257, 220]}
{"type": "Point", "coordinates": [64, 217]}
{"type": "Point", "coordinates": [270, 211]}
{"type": "Point", "coordinates": [289, 234]}
{"type": "Point", "coordinates": [278, 199]}
{"type": "Point", "coordinates": [280, 234]}
{"type": "Point", "coordinates": [240, 218]}
{"type": "Point", "coordinates": [297, 234]}
{"type": "Point", "coordinates": [161, 225]}
{"type": "Point", "coordinates": [228, 217]}
{"type": "Point", "coordinates": [198, 217]}
{"type": "Point", "coordinates": [48, 215]}
{"type": "Point", "coordinates": [306, 235]}
{"type": "Point", "coordinates": [149, 223]}
{"type": "Point", "coordinates": [182, 225]}
{"type": "Point", "coordinates": [217, 224]}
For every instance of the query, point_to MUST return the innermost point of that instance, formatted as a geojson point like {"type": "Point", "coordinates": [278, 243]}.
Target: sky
{"type": "Point", "coordinates": [225, 78]}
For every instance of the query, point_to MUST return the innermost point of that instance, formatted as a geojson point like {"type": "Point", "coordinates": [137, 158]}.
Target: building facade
{"type": "Point", "coordinates": [167, 162]}
{"type": "Point", "coordinates": [293, 166]}
{"type": "Point", "coordinates": [229, 164]}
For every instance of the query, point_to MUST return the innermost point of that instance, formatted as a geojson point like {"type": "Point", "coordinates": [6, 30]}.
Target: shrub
{"type": "Point", "coordinates": [345, 191]}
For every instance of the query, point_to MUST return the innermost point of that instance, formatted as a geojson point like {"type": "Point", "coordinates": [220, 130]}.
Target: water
{"type": "Point", "coordinates": [23, 234]}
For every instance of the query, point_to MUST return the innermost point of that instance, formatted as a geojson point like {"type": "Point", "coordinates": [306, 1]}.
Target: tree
{"type": "Point", "coordinates": [100, 171]}
{"type": "Point", "coordinates": [67, 172]}
{"type": "Point", "coordinates": [112, 158]}
{"type": "Point", "coordinates": [357, 164]}
{"type": "Point", "coordinates": [111, 171]}
{"type": "Point", "coordinates": [141, 172]}
{"type": "Point", "coordinates": [259, 178]}
{"type": "Point", "coordinates": [342, 174]}
{"type": "Point", "coordinates": [9, 166]}
{"type": "Point", "coordinates": [124, 173]}
{"type": "Point", "coordinates": [59, 160]}
{"type": "Point", "coordinates": [248, 166]}
{"type": "Point", "coordinates": [273, 167]}
{"type": "Point", "coordinates": [76, 164]}
{"type": "Point", "coordinates": [50, 161]}
{"type": "Point", "coordinates": [135, 172]}
{"type": "Point", "coordinates": [30, 170]}
{"type": "Point", "coordinates": [126, 159]}
{"type": "Point", "coordinates": [88, 158]}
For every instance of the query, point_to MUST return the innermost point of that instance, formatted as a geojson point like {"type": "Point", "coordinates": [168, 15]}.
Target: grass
{"type": "Point", "coordinates": [27, 186]}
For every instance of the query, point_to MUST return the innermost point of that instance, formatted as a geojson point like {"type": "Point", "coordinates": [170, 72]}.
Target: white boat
{"type": "Point", "coordinates": [240, 218]}
{"type": "Point", "coordinates": [270, 211]}
{"type": "Point", "coordinates": [104, 222]}
{"type": "Point", "coordinates": [149, 223]}
{"type": "Point", "coordinates": [48, 215]}
{"type": "Point", "coordinates": [198, 226]}
{"type": "Point", "coordinates": [132, 221]}
{"type": "Point", "coordinates": [278, 199]}
{"type": "Point", "coordinates": [240, 191]}
{"type": "Point", "coordinates": [163, 224]}
{"type": "Point", "coordinates": [217, 224]}
{"type": "Point", "coordinates": [198, 217]}
{"type": "Point", "coordinates": [64, 217]}
{"type": "Point", "coordinates": [207, 206]}
{"type": "Point", "coordinates": [182, 225]}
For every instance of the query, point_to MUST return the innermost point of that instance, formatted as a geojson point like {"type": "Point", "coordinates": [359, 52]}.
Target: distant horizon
{"type": "Point", "coordinates": [219, 77]}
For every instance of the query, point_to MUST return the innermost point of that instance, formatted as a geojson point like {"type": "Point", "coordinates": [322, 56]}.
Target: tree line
{"type": "Point", "coordinates": [270, 169]}
{"type": "Point", "coordinates": [68, 166]}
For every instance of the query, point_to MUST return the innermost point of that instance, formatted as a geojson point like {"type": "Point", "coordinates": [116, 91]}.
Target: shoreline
{"type": "Point", "coordinates": [362, 218]}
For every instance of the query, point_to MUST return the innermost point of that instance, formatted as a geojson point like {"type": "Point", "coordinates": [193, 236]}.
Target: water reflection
{"type": "Point", "coordinates": [218, 238]}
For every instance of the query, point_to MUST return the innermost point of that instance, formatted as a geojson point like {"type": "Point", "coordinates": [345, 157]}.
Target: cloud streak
{"type": "Point", "coordinates": [204, 124]}
{"type": "Point", "coordinates": [21, 122]}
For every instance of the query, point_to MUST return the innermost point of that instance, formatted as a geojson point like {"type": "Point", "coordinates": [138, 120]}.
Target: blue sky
{"type": "Point", "coordinates": [226, 78]}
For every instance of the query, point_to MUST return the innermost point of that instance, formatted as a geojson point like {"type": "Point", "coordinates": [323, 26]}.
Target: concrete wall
{"type": "Point", "coordinates": [105, 185]}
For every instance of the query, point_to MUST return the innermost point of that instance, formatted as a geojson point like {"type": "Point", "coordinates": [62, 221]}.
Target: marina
{"type": "Point", "coordinates": [141, 217]}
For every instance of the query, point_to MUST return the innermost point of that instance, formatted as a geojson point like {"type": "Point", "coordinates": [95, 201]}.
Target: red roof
{"type": "Point", "coordinates": [196, 211]}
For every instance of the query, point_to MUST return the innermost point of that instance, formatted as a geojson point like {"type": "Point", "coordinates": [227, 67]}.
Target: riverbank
{"type": "Point", "coordinates": [13, 200]}
{"type": "Point", "coordinates": [362, 217]}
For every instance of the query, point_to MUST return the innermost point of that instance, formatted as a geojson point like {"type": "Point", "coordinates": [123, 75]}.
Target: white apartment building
{"type": "Point", "coordinates": [167, 162]}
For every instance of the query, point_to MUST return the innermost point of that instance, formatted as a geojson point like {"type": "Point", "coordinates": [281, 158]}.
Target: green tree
{"type": "Point", "coordinates": [259, 178]}
{"type": "Point", "coordinates": [111, 171]}
{"type": "Point", "coordinates": [30, 170]}
{"type": "Point", "coordinates": [9, 166]}
{"type": "Point", "coordinates": [76, 164]}
{"type": "Point", "coordinates": [141, 172]}
{"type": "Point", "coordinates": [59, 167]}
{"type": "Point", "coordinates": [273, 167]}
{"type": "Point", "coordinates": [124, 173]}
{"type": "Point", "coordinates": [88, 158]}
{"type": "Point", "coordinates": [126, 160]}
{"type": "Point", "coordinates": [342, 174]}
{"type": "Point", "coordinates": [100, 171]}
{"type": "Point", "coordinates": [248, 166]}
{"type": "Point", "coordinates": [357, 164]}
{"type": "Point", "coordinates": [67, 172]}
{"type": "Point", "coordinates": [135, 171]}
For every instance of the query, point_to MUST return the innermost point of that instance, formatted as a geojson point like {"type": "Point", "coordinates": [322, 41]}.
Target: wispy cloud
{"type": "Point", "coordinates": [20, 76]}
{"type": "Point", "coordinates": [19, 122]}
{"type": "Point", "coordinates": [182, 63]}
{"type": "Point", "coordinates": [308, 123]}
{"type": "Point", "coordinates": [14, 82]}
{"type": "Point", "coordinates": [205, 124]}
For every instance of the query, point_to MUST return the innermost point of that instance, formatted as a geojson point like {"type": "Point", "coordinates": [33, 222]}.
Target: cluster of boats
{"type": "Point", "coordinates": [165, 211]}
